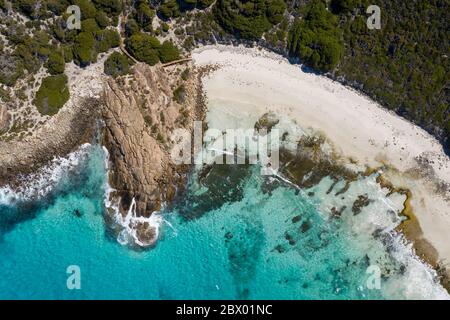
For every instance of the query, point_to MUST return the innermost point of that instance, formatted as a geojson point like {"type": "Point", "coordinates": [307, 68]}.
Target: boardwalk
{"type": "Point", "coordinates": [176, 61]}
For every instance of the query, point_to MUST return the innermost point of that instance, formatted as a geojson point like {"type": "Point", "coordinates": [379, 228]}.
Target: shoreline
{"type": "Point", "coordinates": [252, 81]}
{"type": "Point", "coordinates": [73, 125]}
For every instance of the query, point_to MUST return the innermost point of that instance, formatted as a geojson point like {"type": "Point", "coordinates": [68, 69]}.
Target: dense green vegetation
{"type": "Point", "coordinates": [55, 63]}
{"type": "Point", "coordinates": [169, 9]}
{"type": "Point", "coordinates": [249, 19]}
{"type": "Point", "coordinates": [10, 69]}
{"type": "Point", "coordinates": [84, 49]}
{"type": "Point", "coordinates": [179, 94]}
{"type": "Point", "coordinates": [404, 65]}
{"type": "Point", "coordinates": [52, 94]}
{"type": "Point", "coordinates": [144, 48]}
{"type": "Point", "coordinates": [174, 8]}
{"type": "Point", "coordinates": [117, 64]}
{"type": "Point", "coordinates": [148, 49]}
{"type": "Point", "coordinates": [34, 46]}
{"type": "Point", "coordinates": [316, 38]}
{"type": "Point", "coordinates": [168, 52]}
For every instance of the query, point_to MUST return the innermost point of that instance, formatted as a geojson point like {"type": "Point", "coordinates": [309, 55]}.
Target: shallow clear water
{"type": "Point", "coordinates": [249, 249]}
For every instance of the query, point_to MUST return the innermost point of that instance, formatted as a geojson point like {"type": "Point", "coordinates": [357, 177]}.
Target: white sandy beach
{"type": "Point", "coordinates": [250, 82]}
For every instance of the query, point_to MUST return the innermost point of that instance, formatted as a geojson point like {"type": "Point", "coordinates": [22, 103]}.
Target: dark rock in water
{"type": "Point", "coordinates": [146, 233]}
{"type": "Point", "coordinates": [289, 238]}
{"type": "Point", "coordinates": [228, 235]}
{"type": "Point", "coordinates": [332, 186]}
{"type": "Point", "coordinates": [377, 233]}
{"type": "Point", "coordinates": [244, 294]}
{"type": "Point", "coordinates": [366, 260]}
{"type": "Point", "coordinates": [310, 194]}
{"type": "Point", "coordinates": [267, 122]}
{"type": "Point", "coordinates": [305, 227]}
{"type": "Point", "coordinates": [77, 213]}
{"type": "Point", "coordinates": [268, 185]}
{"type": "Point", "coordinates": [362, 201]}
{"type": "Point", "coordinates": [309, 164]}
{"type": "Point", "coordinates": [335, 213]}
{"type": "Point", "coordinates": [402, 269]}
{"type": "Point", "coordinates": [280, 249]}
{"type": "Point", "coordinates": [244, 250]}
{"type": "Point", "coordinates": [215, 179]}
{"type": "Point", "coordinates": [296, 219]}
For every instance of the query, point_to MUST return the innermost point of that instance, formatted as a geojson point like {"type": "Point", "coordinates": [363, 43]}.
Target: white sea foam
{"type": "Point", "coordinates": [130, 222]}
{"type": "Point", "coordinates": [381, 216]}
{"type": "Point", "coordinates": [39, 184]}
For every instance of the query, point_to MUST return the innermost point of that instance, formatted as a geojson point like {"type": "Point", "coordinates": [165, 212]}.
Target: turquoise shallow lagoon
{"type": "Point", "coordinates": [251, 248]}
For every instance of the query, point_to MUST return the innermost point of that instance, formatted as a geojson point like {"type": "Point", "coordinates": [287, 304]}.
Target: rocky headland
{"type": "Point", "coordinates": [140, 113]}
{"type": "Point", "coordinates": [133, 116]}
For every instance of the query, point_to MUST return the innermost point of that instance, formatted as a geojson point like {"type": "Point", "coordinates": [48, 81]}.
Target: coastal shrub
{"type": "Point", "coordinates": [84, 49]}
{"type": "Point", "coordinates": [275, 11]}
{"type": "Point", "coordinates": [57, 30]}
{"type": "Point", "coordinates": [117, 64]}
{"type": "Point", "coordinates": [165, 27]}
{"type": "Point", "coordinates": [89, 25]}
{"type": "Point", "coordinates": [144, 16]}
{"type": "Point", "coordinates": [185, 74]}
{"type": "Point", "coordinates": [343, 6]}
{"type": "Point", "coordinates": [316, 38]}
{"type": "Point", "coordinates": [67, 52]}
{"type": "Point", "coordinates": [400, 64]}
{"type": "Point", "coordinates": [191, 4]}
{"type": "Point", "coordinates": [102, 19]}
{"type": "Point", "coordinates": [25, 6]}
{"type": "Point", "coordinates": [113, 7]}
{"type": "Point", "coordinates": [30, 56]}
{"type": "Point", "coordinates": [202, 4]}
{"type": "Point", "coordinates": [168, 52]}
{"type": "Point", "coordinates": [87, 9]}
{"type": "Point", "coordinates": [11, 69]}
{"type": "Point", "coordinates": [58, 7]}
{"type": "Point", "coordinates": [248, 19]}
{"type": "Point", "coordinates": [169, 9]}
{"type": "Point", "coordinates": [107, 39]}
{"type": "Point", "coordinates": [55, 63]}
{"type": "Point", "coordinates": [144, 48]}
{"type": "Point", "coordinates": [179, 94]}
{"type": "Point", "coordinates": [52, 94]}
{"type": "Point", "coordinates": [131, 27]}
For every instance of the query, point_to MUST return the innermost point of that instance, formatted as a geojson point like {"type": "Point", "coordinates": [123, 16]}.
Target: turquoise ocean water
{"type": "Point", "coordinates": [251, 248]}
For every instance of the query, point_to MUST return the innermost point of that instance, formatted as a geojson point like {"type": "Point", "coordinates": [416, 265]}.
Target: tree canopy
{"type": "Point", "coordinates": [168, 52]}
{"type": "Point", "coordinates": [117, 64]}
{"type": "Point", "coordinates": [144, 48]}
{"type": "Point", "coordinates": [248, 19]}
{"type": "Point", "coordinates": [316, 38]}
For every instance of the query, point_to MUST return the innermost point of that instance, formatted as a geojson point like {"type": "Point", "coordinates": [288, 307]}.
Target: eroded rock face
{"type": "Point", "coordinates": [65, 133]}
{"type": "Point", "coordinates": [4, 119]}
{"type": "Point", "coordinates": [140, 115]}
